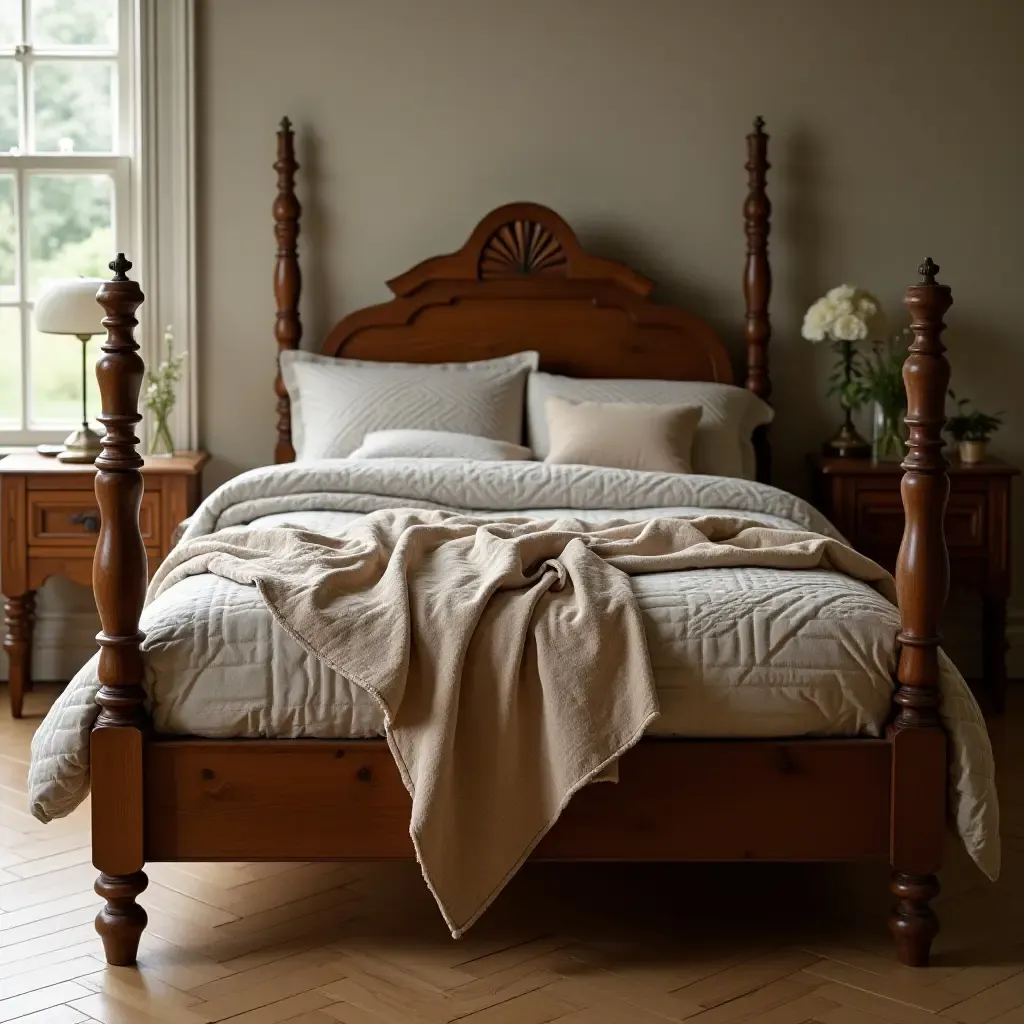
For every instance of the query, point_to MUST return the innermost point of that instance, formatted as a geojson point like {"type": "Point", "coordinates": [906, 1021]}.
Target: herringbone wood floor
{"type": "Point", "coordinates": [576, 944]}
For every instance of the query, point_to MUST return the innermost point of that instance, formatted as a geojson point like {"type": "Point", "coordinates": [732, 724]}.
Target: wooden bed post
{"type": "Point", "coordinates": [922, 581]}
{"type": "Point", "coordinates": [119, 579]}
{"type": "Point", "coordinates": [757, 283]}
{"type": "Point", "coordinates": [287, 279]}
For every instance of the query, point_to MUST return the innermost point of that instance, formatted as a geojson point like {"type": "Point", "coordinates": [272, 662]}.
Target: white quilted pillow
{"type": "Point", "coordinates": [437, 444]}
{"type": "Point", "coordinates": [336, 402]}
{"type": "Point", "coordinates": [722, 445]}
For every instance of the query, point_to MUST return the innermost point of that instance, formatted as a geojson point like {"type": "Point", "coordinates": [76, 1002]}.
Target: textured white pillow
{"type": "Point", "coordinates": [336, 402]}
{"type": "Point", "coordinates": [437, 444]}
{"type": "Point", "coordinates": [722, 446]}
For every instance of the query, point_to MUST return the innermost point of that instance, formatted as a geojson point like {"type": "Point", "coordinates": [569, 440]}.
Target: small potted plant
{"type": "Point", "coordinates": [972, 429]}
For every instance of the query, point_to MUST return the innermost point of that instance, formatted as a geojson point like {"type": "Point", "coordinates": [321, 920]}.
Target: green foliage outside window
{"type": "Point", "coordinates": [70, 213]}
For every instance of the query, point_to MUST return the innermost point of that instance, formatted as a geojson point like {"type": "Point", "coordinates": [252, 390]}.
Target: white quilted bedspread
{"type": "Point", "coordinates": [736, 652]}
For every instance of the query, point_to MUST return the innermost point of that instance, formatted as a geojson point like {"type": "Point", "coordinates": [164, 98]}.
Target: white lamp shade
{"type": "Point", "coordinates": [70, 307]}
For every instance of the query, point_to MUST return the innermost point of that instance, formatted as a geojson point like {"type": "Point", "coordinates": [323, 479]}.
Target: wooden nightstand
{"type": "Point", "coordinates": [49, 520]}
{"type": "Point", "coordinates": [862, 498]}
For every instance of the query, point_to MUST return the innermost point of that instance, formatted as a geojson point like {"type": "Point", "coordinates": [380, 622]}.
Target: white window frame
{"type": "Point", "coordinates": [154, 216]}
{"type": "Point", "coordinates": [164, 251]}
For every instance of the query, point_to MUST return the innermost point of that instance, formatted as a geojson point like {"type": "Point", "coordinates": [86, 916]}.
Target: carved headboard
{"type": "Point", "coordinates": [523, 281]}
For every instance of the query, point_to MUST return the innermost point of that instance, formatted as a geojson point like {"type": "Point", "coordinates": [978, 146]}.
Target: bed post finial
{"type": "Point", "coordinates": [119, 577]}
{"type": "Point", "coordinates": [922, 582]}
{"type": "Point", "coordinates": [120, 266]}
{"type": "Point", "coordinates": [757, 282]}
{"type": "Point", "coordinates": [287, 279]}
{"type": "Point", "coordinates": [928, 270]}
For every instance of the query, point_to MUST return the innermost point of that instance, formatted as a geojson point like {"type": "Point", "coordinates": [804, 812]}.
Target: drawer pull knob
{"type": "Point", "coordinates": [89, 521]}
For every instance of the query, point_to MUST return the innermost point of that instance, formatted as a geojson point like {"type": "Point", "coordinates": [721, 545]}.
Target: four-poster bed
{"type": "Point", "coordinates": [523, 280]}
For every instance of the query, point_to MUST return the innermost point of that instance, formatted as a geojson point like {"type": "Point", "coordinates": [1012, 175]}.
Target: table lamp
{"type": "Point", "coordinates": [70, 307]}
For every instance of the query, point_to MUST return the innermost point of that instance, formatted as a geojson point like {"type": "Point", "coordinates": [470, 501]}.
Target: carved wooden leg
{"type": "Point", "coordinates": [993, 650]}
{"type": "Point", "coordinates": [121, 921]}
{"type": "Point", "coordinates": [913, 923]}
{"type": "Point", "coordinates": [19, 618]}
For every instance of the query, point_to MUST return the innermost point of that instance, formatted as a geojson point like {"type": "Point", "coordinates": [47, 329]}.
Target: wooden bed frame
{"type": "Point", "coordinates": [523, 280]}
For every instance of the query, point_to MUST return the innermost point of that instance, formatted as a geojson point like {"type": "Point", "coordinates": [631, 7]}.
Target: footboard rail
{"type": "Point", "coordinates": [918, 796]}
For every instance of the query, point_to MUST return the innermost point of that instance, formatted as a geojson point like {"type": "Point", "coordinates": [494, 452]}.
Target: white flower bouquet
{"type": "Point", "coordinates": [844, 313]}
{"type": "Point", "coordinates": [844, 316]}
{"type": "Point", "coordinates": [160, 396]}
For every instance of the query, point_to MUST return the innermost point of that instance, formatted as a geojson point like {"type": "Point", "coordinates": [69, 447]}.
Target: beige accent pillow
{"type": "Point", "coordinates": [627, 435]}
{"type": "Point", "coordinates": [722, 446]}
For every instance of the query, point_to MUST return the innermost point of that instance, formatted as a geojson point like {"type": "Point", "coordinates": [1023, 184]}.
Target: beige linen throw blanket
{"type": "Point", "coordinates": [508, 657]}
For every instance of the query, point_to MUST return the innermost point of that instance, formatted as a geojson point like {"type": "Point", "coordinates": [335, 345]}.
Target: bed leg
{"type": "Point", "coordinates": [121, 921]}
{"type": "Point", "coordinates": [913, 922]}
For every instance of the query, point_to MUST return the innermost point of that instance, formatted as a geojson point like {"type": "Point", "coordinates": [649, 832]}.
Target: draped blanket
{"type": "Point", "coordinates": [508, 657]}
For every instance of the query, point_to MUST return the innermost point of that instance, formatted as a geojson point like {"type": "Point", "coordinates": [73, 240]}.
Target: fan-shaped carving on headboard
{"type": "Point", "coordinates": [523, 281]}
{"type": "Point", "coordinates": [520, 240]}
{"type": "Point", "coordinates": [522, 247]}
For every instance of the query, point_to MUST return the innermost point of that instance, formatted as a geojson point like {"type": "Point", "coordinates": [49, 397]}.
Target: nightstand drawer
{"type": "Point", "coordinates": [72, 519]}
{"type": "Point", "coordinates": [880, 519]}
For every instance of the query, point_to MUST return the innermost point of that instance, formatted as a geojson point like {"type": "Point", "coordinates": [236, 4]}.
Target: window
{"type": "Point", "coordinates": [66, 145]}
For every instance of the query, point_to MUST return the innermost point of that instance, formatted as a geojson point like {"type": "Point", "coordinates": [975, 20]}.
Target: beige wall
{"type": "Point", "coordinates": [895, 131]}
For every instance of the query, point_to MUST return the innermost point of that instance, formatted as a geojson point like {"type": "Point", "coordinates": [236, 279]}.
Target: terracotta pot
{"type": "Point", "coordinates": [973, 451]}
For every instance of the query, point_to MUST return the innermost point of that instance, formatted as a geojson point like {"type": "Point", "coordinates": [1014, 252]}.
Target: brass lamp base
{"type": "Point", "coordinates": [848, 444]}
{"type": "Point", "coordinates": [81, 446]}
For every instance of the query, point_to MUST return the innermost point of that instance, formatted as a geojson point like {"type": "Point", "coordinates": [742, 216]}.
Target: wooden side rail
{"type": "Point", "coordinates": [918, 803]}
{"type": "Point", "coordinates": [119, 578]}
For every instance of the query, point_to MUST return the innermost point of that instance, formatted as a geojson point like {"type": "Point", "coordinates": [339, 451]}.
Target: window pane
{"type": "Point", "coordinates": [10, 22]}
{"type": "Point", "coordinates": [9, 106]}
{"type": "Point", "coordinates": [73, 106]}
{"type": "Point", "coordinates": [74, 23]}
{"type": "Point", "coordinates": [8, 240]}
{"type": "Point", "coordinates": [10, 369]}
{"type": "Point", "coordinates": [70, 226]}
{"type": "Point", "coordinates": [55, 368]}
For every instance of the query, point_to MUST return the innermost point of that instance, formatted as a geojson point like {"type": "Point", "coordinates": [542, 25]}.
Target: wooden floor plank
{"type": "Point", "coordinates": [63, 1014]}
{"type": "Point", "coordinates": [271, 991]}
{"type": "Point", "coordinates": [39, 999]}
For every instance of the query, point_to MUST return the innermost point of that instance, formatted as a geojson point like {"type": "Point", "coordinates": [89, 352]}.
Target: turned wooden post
{"type": "Point", "coordinates": [287, 279]}
{"type": "Point", "coordinates": [922, 582]}
{"type": "Point", "coordinates": [119, 580]}
{"type": "Point", "coordinates": [757, 283]}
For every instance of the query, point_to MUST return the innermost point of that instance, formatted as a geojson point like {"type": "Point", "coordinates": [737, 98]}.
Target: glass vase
{"type": "Point", "coordinates": [161, 442]}
{"type": "Point", "coordinates": [888, 434]}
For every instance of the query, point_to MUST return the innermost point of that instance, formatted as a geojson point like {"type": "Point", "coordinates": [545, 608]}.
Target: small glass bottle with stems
{"type": "Point", "coordinates": [160, 396]}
